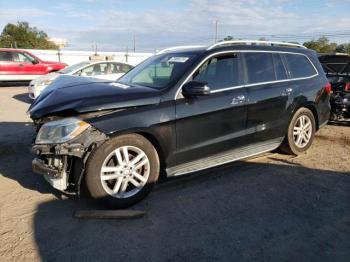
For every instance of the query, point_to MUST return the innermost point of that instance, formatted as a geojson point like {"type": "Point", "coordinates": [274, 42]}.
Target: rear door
{"type": "Point", "coordinates": [7, 64]}
{"type": "Point", "coordinates": [268, 91]}
{"type": "Point", "coordinates": [207, 125]}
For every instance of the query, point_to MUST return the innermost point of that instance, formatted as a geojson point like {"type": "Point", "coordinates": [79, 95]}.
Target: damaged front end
{"type": "Point", "coordinates": [62, 148]}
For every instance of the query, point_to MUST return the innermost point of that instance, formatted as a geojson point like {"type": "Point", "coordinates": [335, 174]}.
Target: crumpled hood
{"type": "Point", "coordinates": [72, 94]}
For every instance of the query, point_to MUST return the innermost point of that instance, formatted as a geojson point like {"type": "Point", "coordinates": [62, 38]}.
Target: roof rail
{"type": "Point", "coordinates": [174, 48]}
{"type": "Point", "coordinates": [272, 43]}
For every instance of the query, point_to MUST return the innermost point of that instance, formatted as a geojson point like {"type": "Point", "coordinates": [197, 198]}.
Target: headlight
{"type": "Point", "coordinates": [44, 83]}
{"type": "Point", "coordinates": [61, 131]}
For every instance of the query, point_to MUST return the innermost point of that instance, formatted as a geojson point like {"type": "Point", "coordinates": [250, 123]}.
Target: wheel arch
{"type": "Point", "coordinates": [309, 105]}
{"type": "Point", "coordinates": [152, 138]}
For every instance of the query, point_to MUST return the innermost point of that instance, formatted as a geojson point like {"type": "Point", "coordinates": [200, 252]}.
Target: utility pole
{"type": "Point", "coordinates": [127, 54]}
{"type": "Point", "coordinates": [216, 31]}
{"type": "Point", "coordinates": [134, 41]}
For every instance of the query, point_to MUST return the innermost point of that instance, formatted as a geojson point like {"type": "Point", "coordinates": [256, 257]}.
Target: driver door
{"type": "Point", "coordinates": [26, 65]}
{"type": "Point", "coordinates": [212, 124]}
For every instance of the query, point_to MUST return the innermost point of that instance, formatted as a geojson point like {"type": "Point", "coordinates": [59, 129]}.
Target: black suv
{"type": "Point", "coordinates": [178, 112]}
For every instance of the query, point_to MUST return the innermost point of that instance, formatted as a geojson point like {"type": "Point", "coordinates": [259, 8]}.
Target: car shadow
{"type": "Point", "coordinates": [339, 123]}
{"type": "Point", "coordinates": [14, 83]}
{"type": "Point", "coordinates": [240, 212]}
{"type": "Point", "coordinates": [243, 211]}
{"type": "Point", "coordinates": [23, 98]}
{"type": "Point", "coordinates": [15, 156]}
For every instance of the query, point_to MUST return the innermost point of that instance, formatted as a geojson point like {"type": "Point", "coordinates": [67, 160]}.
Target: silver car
{"type": "Point", "coordinates": [108, 70]}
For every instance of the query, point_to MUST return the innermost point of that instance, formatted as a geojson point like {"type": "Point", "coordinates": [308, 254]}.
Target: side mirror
{"type": "Point", "coordinates": [195, 88]}
{"type": "Point", "coordinates": [34, 62]}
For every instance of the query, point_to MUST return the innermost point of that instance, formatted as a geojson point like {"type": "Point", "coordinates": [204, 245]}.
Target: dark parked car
{"type": "Point", "coordinates": [337, 68]}
{"type": "Point", "coordinates": [178, 112]}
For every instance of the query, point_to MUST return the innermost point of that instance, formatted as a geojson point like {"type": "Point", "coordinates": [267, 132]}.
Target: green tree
{"type": "Point", "coordinates": [21, 35]}
{"type": "Point", "coordinates": [321, 45]}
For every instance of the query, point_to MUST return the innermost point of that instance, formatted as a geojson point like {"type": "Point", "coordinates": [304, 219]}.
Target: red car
{"type": "Point", "coordinates": [19, 65]}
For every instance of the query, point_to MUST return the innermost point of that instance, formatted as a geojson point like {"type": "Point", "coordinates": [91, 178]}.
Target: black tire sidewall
{"type": "Point", "coordinates": [292, 146]}
{"type": "Point", "coordinates": [96, 159]}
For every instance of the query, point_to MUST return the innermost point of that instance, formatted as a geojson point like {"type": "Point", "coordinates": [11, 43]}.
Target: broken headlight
{"type": "Point", "coordinates": [61, 131]}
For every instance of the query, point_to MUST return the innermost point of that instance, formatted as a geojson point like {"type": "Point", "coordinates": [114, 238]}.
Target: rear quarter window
{"type": "Point", "coordinates": [299, 66]}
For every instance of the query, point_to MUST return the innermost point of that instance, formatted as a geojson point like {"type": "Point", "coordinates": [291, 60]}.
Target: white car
{"type": "Point", "coordinates": [108, 70]}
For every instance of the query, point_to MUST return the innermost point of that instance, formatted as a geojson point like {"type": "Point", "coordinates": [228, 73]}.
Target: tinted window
{"type": "Point", "coordinates": [5, 56]}
{"type": "Point", "coordinates": [259, 67]}
{"type": "Point", "coordinates": [280, 70]}
{"type": "Point", "coordinates": [299, 66]}
{"type": "Point", "coordinates": [219, 72]}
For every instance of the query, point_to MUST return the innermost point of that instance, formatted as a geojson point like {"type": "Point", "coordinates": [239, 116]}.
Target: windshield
{"type": "Point", "coordinates": [158, 71]}
{"type": "Point", "coordinates": [72, 68]}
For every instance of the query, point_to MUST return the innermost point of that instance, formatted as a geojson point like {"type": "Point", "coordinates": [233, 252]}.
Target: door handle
{"type": "Point", "coordinates": [287, 91]}
{"type": "Point", "coordinates": [238, 100]}
{"type": "Point", "coordinates": [20, 65]}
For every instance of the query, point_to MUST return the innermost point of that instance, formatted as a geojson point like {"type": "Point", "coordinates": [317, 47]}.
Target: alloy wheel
{"type": "Point", "coordinates": [125, 172]}
{"type": "Point", "coordinates": [302, 131]}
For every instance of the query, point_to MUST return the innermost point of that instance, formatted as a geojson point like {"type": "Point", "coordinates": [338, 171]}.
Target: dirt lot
{"type": "Point", "coordinates": [272, 208]}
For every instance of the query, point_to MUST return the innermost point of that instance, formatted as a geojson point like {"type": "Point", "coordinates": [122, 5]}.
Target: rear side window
{"type": "Point", "coordinates": [219, 72]}
{"type": "Point", "coordinates": [299, 66]}
{"type": "Point", "coordinates": [259, 67]}
{"type": "Point", "coordinates": [117, 68]}
{"type": "Point", "coordinates": [280, 70]}
{"type": "Point", "coordinates": [6, 56]}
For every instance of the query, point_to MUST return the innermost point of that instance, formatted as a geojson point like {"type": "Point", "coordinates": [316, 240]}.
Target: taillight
{"type": "Point", "coordinates": [328, 88]}
{"type": "Point", "coordinates": [347, 86]}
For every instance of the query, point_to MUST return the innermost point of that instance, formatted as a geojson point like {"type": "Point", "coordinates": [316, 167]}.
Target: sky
{"type": "Point", "coordinates": [155, 24]}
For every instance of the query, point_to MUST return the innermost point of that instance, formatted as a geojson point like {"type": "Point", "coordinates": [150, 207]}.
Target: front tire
{"type": "Point", "coordinates": [122, 171]}
{"type": "Point", "coordinates": [301, 132]}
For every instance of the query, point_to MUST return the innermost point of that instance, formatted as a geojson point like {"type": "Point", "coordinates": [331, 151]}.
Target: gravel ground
{"type": "Point", "coordinates": [271, 208]}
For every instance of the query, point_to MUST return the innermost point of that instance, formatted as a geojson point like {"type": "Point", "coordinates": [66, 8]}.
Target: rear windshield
{"type": "Point", "coordinates": [158, 71]}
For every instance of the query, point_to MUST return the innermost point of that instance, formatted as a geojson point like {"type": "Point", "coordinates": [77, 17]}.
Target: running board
{"type": "Point", "coordinates": [223, 158]}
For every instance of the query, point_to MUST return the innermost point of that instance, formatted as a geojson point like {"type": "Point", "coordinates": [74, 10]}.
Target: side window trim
{"type": "Point", "coordinates": [283, 65]}
{"type": "Point", "coordinates": [241, 65]}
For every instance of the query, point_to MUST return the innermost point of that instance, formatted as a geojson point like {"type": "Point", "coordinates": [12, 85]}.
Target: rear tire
{"type": "Point", "coordinates": [122, 171]}
{"type": "Point", "coordinates": [301, 132]}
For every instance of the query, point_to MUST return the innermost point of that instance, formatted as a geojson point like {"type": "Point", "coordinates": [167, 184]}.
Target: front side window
{"type": "Point", "coordinates": [299, 66]}
{"type": "Point", "coordinates": [22, 57]}
{"type": "Point", "coordinates": [219, 72]}
{"type": "Point", "coordinates": [259, 67]}
{"type": "Point", "coordinates": [158, 71]}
